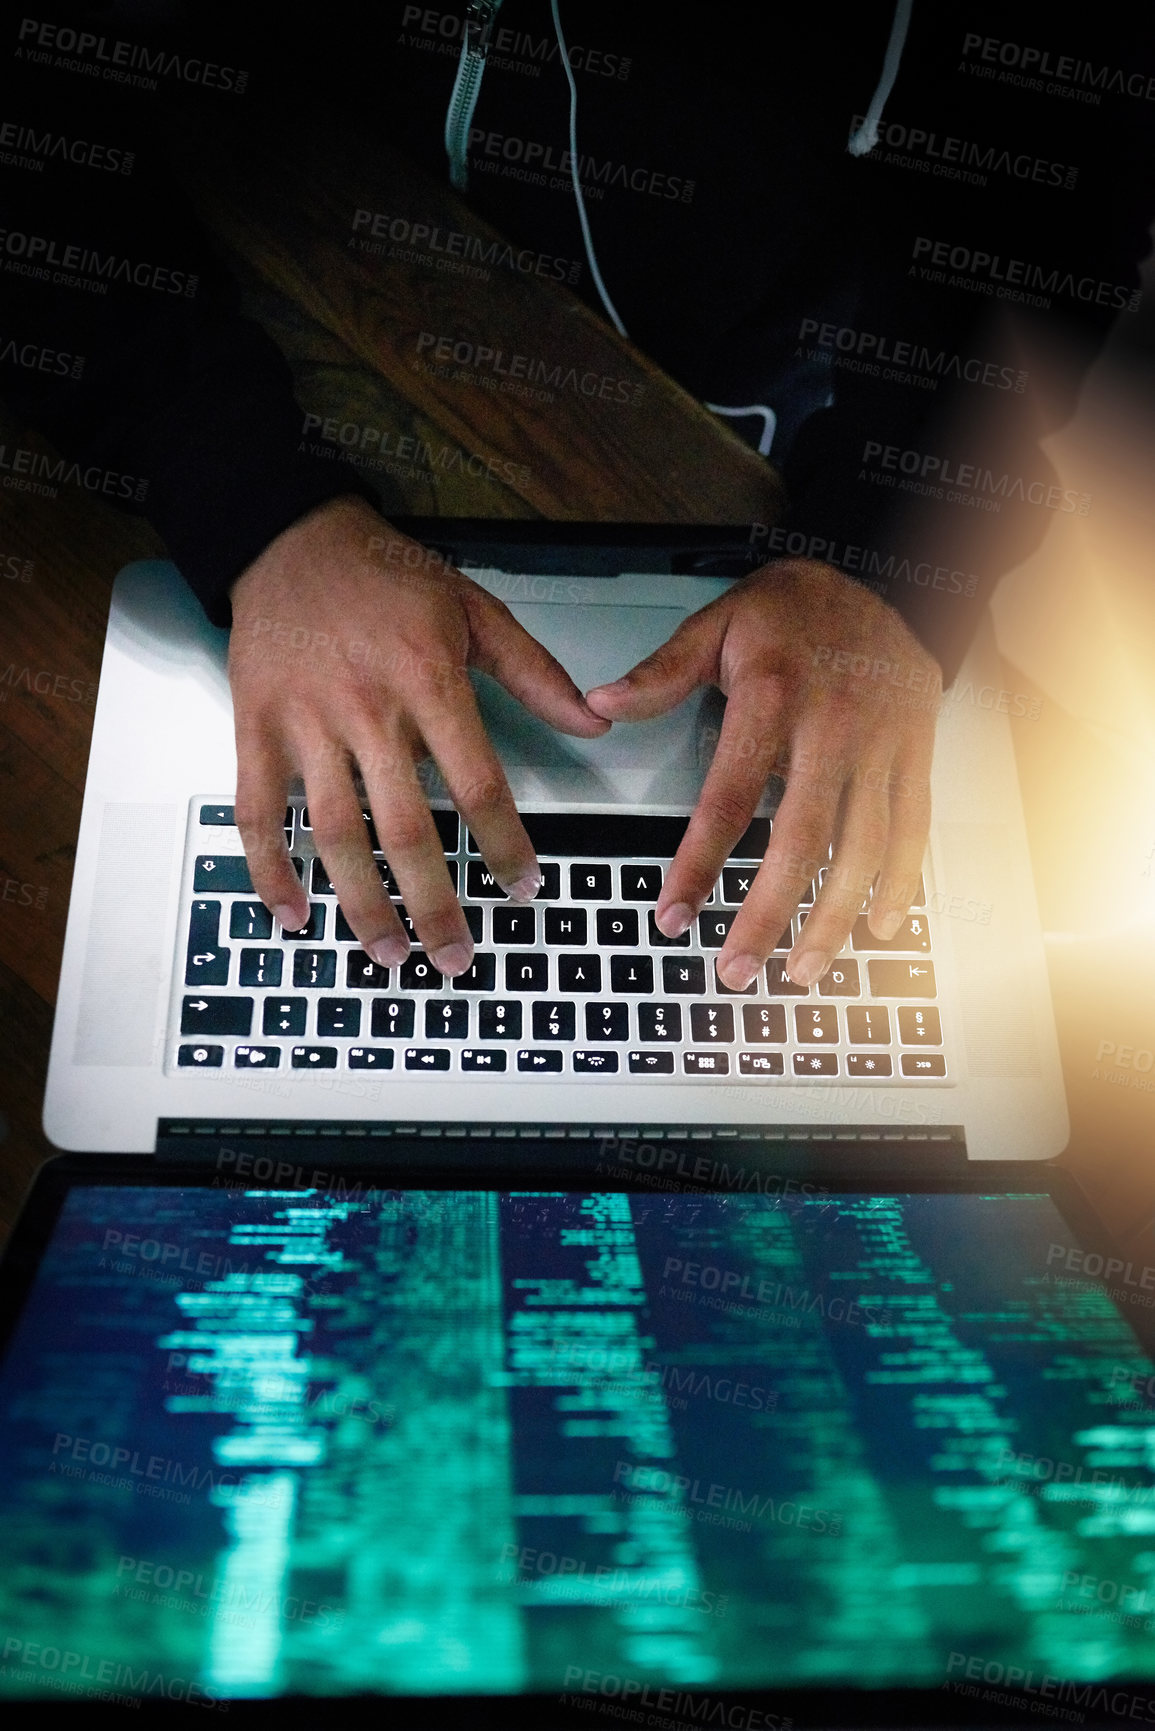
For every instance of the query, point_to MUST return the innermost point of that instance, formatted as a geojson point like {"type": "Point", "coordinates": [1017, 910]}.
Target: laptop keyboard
{"type": "Point", "coordinates": [580, 983]}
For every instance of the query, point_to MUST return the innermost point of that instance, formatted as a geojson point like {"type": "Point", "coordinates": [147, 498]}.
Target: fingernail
{"type": "Point", "coordinates": [525, 888]}
{"type": "Point", "coordinates": [809, 967]}
{"type": "Point", "coordinates": [289, 919]}
{"type": "Point", "coordinates": [389, 952]}
{"type": "Point", "coordinates": [887, 924]}
{"type": "Point", "coordinates": [675, 919]}
{"type": "Point", "coordinates": [452, 959]}
{"type": "Point", "coordinates": [738, 971]}
{"type": "Point", "coordinates": [617, 689]}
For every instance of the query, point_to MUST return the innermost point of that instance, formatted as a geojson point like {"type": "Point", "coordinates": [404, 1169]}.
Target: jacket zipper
{"type": "Point", "coordinates": [475, 38]}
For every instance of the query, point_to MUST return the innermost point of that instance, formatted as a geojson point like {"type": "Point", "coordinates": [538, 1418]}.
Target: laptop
{"type": "Point", "coordinates": [524, 1447]}
{"type": "Point", "coordinates": [184, 1012]}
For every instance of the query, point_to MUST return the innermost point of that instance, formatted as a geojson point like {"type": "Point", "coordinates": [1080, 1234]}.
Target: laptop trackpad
{"type": "Point", "coordinates": [659, 759]}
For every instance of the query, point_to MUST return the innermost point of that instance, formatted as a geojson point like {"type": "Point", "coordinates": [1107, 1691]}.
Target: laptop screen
{"type": "Point", "coordinates": [619, 1447]}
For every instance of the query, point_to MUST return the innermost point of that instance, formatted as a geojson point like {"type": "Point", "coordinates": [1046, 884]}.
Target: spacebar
{"type": "Point", "coordinates": [613, 835]}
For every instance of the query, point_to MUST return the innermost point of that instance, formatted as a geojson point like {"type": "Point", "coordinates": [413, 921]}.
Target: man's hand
{"type": "Point", "coordinates": [350, 646]}
{"type": "Point", "coordinates": [822, 675]}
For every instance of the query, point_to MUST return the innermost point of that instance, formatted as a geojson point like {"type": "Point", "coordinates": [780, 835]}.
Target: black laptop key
{"type": "Point", "coordinates": [641, 883]}
{"type": "Point", "coordinates": [595, 1063]}
{"type": "Point", "coordinates": [313, 930]}
{"type": "Point", "coordinates": [816, 1063]}
{"type": "Point", "coordinates": [711, 1023]}
{"type": "Point", "coordinates": [719, 989]}
{"type": "Point", "coordinates": [683, 976]}
{"type": "Point", "coordinates": [550, 890]}
{"type": "Point", "coordinates": [651, 1063]}
{"type": "Point", "coordinates": [706, 1063]}
{"type": "Point", "coordinates": [912, 936]}
{"type": "Point", "coordinates": [200, 1057]}
{"type": "Point", "coordinates": [901, 979]}
{"type": "Point", "coordinates": [923, 1064]}
{"type": "Point", "coordinates": [514, 925]}
{"type": "Point", "coordinates": [590, 883]}
{"type": "Point", "coordinates": [446, 1019]}
{"type": "Point", "coordinates": [499, 1020]}
{"type": "Point", "coordinates": [370, 1058]}
{"type": "Point", "coordinates": [607, 1022]}
{"type": "Point", "coordinates": [714, 927]}
{"type": "Point", "coordinates": [200, 1015]}
{"type": "Point", "coordinates": [218, 814]}
{"type": "Point", "coordinates": [427, 1058]}
{"type": "Point", "coordinates": [763, 1022]}
{"type": "Point", "coordinates": [285, 1016]}
{"type": "Point", "coordinates": [417, 974]}
{"type": "Point", "coordinates": [338, 1017]}
{"type": "Point", "coordinates": [343, 932]}
{"type": "Point", "coordinates": [631, 973]}
{"type": "Point", "coordinates": [314, 1057]}
{"type": "Point", "coordinates": [841, 980]}
{"type": "Point", "coordinates": [814, 1023]}
{"type": "Point", "coordinates": [658, 938]}
{"type": "Point", "coordinates": [315, 968]}
{"type": "Point", "coordinates": [778, 982]}
{"type": "Point", "coordinates": [526, 973]}
{"type": "Point", "coordinates": [754, 842]}
{"type": "Point", "coordinates": [392, 1018]}
{"type": "Point", "coordinates": [538, 1063]}
{"type": "Point", "coordinates": [579, 973]}
{"type": "Point", "coordinates": [760, 1063]}
{"type": "Point", "coordinates": [226, 873]}
{"type": "Point", "coordinates": [481, 885]}
{"type": "Point", "coordinates": [206, 962]}
{"type": "Point", "coordinates": [868, 1025]}
{"type": "Point", "coordinates": [617, 928]}
{"type": "Point", "coordinates": [361, 970]}
{"type": "Point", "coordinates": [491, 1059]}
{"type": "Point", "coordinates": [919, 1027]}
{"type": "Point", "coordinates": [447, 825]}
{"type": "Point", "coordinates": [565, 925]}
{"type": "Point", "coordinates": [737, 882]}
{"type": "Point", "coordinates": [660, 1023]}
{"type": "Point", "coordinates": [480, 976]}
{"type": "Point", "coordinates": [257, 1058]}
{"type": "Point", "coordinates": [250, 920]}
{"type": "Point", "coordinates": [553, 1021]}
{"type": "Point", "coordinates": [872, 1064]}
{"type": "Point", "coordinates": [474, 918]}
{"type": "Point", "coordinates": [262, 968]}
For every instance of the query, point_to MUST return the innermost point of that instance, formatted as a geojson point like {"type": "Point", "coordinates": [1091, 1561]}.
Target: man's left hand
{"type": "Point", "coordinates": [826, 685]}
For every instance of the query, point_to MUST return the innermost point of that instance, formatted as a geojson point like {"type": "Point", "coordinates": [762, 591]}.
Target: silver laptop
{"type": "Point", "coordinates": [184, 1010]}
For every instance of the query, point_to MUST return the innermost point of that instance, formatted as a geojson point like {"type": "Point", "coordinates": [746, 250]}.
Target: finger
{"type": "Point", "coordinates": [412, 846]}
{"type": "Point", "coordinates": [906, 844]}
{"type": "Point", "coordinates": [460, 746]}
{"type": "Point", "coordinates": [505, 649]}
{"type": "Point", "coordinates": [664, 679]}
{"type": "Point", "coordinates": [799, 847]}
{"type": "Point", "coordinates": [262, 781]}
{"type": "Point", "coordinates": [342, 840]}
{"type": "Point", "coordinates": [747, 747]}
{"type": "Point", "coordinates": [858, 854]}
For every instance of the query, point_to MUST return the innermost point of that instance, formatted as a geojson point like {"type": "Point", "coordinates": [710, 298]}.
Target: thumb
{"type": "Point", "coordinates": [664, 679]}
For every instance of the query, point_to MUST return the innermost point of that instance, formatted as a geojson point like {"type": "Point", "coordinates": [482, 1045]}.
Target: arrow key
{"type": "Point", "coordinates": [284, 1016]}
{"type": "Point", "coordinates": [216, 1016]}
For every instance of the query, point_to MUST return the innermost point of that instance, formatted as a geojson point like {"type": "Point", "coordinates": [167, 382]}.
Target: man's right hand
{"type": "Point", "coordinates": [351, 646]}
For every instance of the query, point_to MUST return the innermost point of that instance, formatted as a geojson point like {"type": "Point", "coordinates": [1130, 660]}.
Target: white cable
{"type": "Point", "coordinates": [769, 421]}
{"type": "Point", "coordinates": [611, 309]}
{"type": "Point", "coordinates": [864, 140]}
